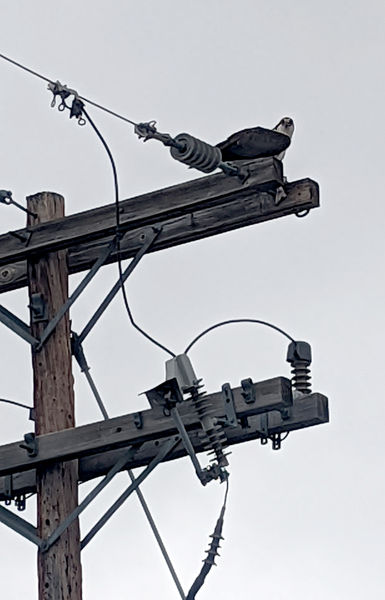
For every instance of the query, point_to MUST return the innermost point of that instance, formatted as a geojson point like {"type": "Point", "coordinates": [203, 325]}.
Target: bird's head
{"type": "Point", "coordinates": [286, 126]}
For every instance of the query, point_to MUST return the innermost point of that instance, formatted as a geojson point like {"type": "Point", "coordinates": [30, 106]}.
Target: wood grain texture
{"type": "Point", "coordinates": [119, 432]}
{"type": "Point", "coordinates": [59, 569]}
{"type": "Point", "coordinates": [86, 234]}
{"type": "Point", "coordinates": [309, 411]}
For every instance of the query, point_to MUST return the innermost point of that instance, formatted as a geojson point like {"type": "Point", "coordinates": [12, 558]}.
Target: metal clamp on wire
{"type": "Point", "coordinates": [63, 92]}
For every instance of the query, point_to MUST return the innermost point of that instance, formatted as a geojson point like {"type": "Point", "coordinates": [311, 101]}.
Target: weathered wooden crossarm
{"type": "Point", "coordinates": [145, 210]}
{"type": "Point", "coordinates": [187, 212]}
{"type": "Point", "coordinates": [306, 412]}
{"type": "Point", "coordinates": [120, 432]}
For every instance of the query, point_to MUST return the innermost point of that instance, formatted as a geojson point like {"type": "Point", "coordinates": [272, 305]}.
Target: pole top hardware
{"type": "Point", "coordinates": [167, 394]}
{"type": "Point", "coordinates": [30, 444]}
{"type": "Point", "coordinates": [38, 308]}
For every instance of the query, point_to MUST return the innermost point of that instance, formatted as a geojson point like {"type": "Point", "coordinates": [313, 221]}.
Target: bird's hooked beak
{"type": "Point", "coordinates": [285, 126]}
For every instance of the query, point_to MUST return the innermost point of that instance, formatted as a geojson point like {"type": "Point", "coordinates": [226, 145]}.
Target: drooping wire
{"type": "Point", "coordinates": [229, 322]}
{"type": "Point", "coordinates": [209, 561]}
{"type": "Point", "coordinates": [44, 78]}
{"type": "Point", "coordinates": [118, 233]}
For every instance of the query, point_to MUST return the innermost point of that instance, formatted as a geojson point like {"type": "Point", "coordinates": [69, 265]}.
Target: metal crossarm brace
{"type": "Point", "coordinates": [78, 352]}
{"type": "Point", "coordinates": [118, 466]}
{"type": "Point", "coordinates": [30, 532]}
{"type": "Point", "coordinates": [82, 285]}
{"type": "Point", "coordinates": [19, 525]}
{"type": "Point", "coordinates": [163, 452]}
{"type": "Point", "coordinates": [188, 445]}
{"type": "Point", "coordinates": [17, 325]}
{"type": "Point", "coordinates": [80, 357]}
{"type": "Point", "coordinates": [114, 290]}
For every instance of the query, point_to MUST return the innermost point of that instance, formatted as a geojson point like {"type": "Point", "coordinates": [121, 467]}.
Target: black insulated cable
{"type": "Point", "coordinates": [231, 321]}
{"type": "Point", "coordinates": [118, 233]}
{"type": "Point", "coordinates": [212, 552]}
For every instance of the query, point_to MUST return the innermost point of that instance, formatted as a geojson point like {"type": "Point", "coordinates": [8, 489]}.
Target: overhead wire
{"type": "Point", "coordinates": [231, 321]}
{"type": "Point", "coordinates": [48, 80]}
{"type": "Point", "coordinates": [118, 233]}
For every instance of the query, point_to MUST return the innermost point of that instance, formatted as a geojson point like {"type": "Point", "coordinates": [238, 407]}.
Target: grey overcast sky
{"type": "Point", "coordinates": [303, 523]}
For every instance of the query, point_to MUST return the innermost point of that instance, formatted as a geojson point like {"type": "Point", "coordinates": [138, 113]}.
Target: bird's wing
{"type": "Point", "coordinates": [256, 142]}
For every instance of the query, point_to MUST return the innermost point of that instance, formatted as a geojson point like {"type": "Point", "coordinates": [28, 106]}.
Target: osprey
{"type": "Point", "coordinates": [258, 142]}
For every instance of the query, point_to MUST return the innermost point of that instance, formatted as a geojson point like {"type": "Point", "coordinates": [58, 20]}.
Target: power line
{"type": "Point", "coordinates": [116, 191]}
{"type": "Point", "coordinates": [229, 322]}
{"type": "Point", "coordinates": [44, 78]}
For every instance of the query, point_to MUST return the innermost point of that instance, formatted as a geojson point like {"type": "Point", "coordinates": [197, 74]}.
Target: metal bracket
{"type": "Point", "coordinates": [8, 489]}
{"type": "Point", "coordinates": [118, 466]}
{"type": "Point", "coordinates": [78, 352]}
{"type": "Point", "coordinates": [23, 330]}
{"type": "Point", "coordinates": [38, 308]}
{"type": "Point", "coordinates": [148, 241]}
{"type": "Point", "coordinates": [19, 525]}
{"type": "Point", "coordinates": [31, 444]}
{"type": "Point", "coordinates": [23, 236]}
{"type": "Point", "coordinates": [17, 325]}
{"type": "Point", "coordinates": [82, 285]}
{"type": "Point", "coordinates": [138, 420]}
{"type": "Point", "coordinates": [231, 415]}
{"type": "Point", "coordinates": [276, 441]}
{"type": "Point", "coordinates": [165, 449]}
{"type": "Point", "coordinates": [264, 428]}
{"type": "Point", "coordinates": [167, 394]}
{"type": "Point", "coordinates": [248, 391]}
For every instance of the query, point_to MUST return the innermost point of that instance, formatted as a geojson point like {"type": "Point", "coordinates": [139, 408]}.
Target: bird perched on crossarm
{"type": "Point", "coordinates": [258, 142]}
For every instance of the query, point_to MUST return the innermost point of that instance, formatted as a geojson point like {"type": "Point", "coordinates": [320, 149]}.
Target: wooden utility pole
{"type": "Point", "coordinates": [61, 455]}
{"type": "Point", "coordinates": [59, 568]}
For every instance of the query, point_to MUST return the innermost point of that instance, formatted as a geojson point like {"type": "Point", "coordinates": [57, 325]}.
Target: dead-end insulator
{"type": "Point", "coordinates": [195, 153]}
{"type": "Point", "coordinates": [299, 356]}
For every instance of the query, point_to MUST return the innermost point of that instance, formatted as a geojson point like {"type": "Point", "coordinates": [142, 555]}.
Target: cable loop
{"type": "Point", "coordinates": [230, 322]}
{"type": "Point", "coordinates": [302, 213]}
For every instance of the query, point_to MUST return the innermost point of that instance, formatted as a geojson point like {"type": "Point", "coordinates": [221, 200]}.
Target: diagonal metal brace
{"type": "Point", "coordinates": [78, 352]}
{"type": "Point", "coordinates": [150, 239]}
{"type": "Point", "coordinates": [188, 445]}
{"type": "Point", "coordinates": [166, 448]}
{"type": "Point", "coordinates": [20, 525]}
{"type": "Point", "coordinates": [82, 285]}
{"type": "Point", "coordinates": [118, 466]}
{"type": "Point", "coordinates": [17, 325]}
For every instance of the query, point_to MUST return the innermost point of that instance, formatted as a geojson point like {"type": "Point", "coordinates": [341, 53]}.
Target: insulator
{"type": "Point", "coordinates": [213, 437]}
{"type": "Point", "coordinates": [301, 377]}
{"type": "Point", "coordinates": [196, 153]}
{"type": "Point", "coordinates": [299, 356]}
